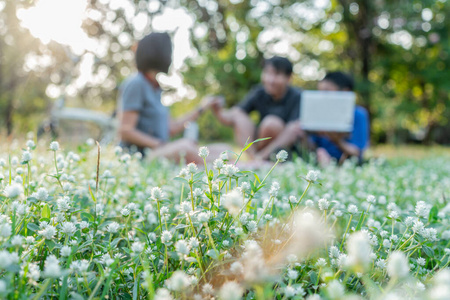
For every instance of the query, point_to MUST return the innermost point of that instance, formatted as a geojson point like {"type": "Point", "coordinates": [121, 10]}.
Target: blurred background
{"type": "Point", "coordinates": [81, 50]}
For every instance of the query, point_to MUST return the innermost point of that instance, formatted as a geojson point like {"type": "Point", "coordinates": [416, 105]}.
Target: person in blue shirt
{"type": "Point", "coordinates": [337, 145]}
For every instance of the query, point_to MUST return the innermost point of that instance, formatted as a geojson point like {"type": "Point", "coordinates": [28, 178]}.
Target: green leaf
{"type": "Point", "coordinates": [428, 251]}
{"type": "Point", "coordinates": [361, 218]}
{"type": "Point", "coordinates": [87, 216]}
{"type": "Point", "coordinates": [257, 178]}
{"type": "Point", "coordinates": [92, 195]}
{"type": "Point", "coordinates": [214, 254]}
{"type": "Point", "coordinates": [45, 211]}
{"type": "Point", "coordinates": [33, 227]}
{"type": "Point", "coordinates": [255, 141]}
{"type": "Point", "coordinates": [313, 277]}
{"type": "Point", "coordinates": [433, 214]}
{"type": "Point", "coordinates": [50, 244]}
{"type": "Point", "coordinates": [180, 226]}
{"type": "Point", "coordinates": [183, 180]}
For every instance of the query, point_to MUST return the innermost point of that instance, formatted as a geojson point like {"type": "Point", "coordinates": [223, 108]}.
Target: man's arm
{"type": "Point", "coordinates": [177, 125]}
{"type": "Point", "coordinates": [129, 133]}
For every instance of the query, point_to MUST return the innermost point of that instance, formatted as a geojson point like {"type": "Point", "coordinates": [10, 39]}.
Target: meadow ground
{"type": "Point", "coordinates": [73, 228]}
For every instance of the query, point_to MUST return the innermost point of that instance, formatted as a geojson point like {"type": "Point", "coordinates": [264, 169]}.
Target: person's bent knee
{"type": "Point", "coordinates": [272, 122]}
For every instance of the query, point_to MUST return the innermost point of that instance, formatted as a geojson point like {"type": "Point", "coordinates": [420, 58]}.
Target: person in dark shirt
{"type": "Point", "coordinates": [337, 145]}
{"type": "Point", "coordinates": [278, 105]}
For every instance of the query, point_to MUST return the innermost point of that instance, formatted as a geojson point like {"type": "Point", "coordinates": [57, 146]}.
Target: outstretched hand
{"type": "Point", "coordinates": [212, 102]}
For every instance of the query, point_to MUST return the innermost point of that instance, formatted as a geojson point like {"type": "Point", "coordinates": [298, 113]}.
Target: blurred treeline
{"type": "Point", "coordinates": [398, 52]}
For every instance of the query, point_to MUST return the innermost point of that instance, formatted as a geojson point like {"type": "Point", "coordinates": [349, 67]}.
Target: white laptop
{"type": "Point", "coordinates": [327, 111]}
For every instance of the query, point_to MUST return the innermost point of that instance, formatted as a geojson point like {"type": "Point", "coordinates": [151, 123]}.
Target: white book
{"type": "Point", "coordinates": [327, 111]}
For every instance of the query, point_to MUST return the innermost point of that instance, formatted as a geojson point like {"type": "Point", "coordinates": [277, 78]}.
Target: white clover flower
{"type": "Point", "coordinates": [323, 204]}
{"type": "Point", "coordinates": [409, 221]}
{"type": "Point", "coordinates": [397, 266]}
{"type": "Point", "coordinates": [321, 262]}
{"type": "Point", "coordinates": [26, 156]}
{"type": "Point", "coordinates": [334, 252]}
{"type": "Point", "coordinates": [17, 240]}
{"type": "Point", "coordinates": [80, 266]}
{"type": "Point", "coordinates": [393, 214]}
{"type": "Point", "coordinates": [192, 168]}
{"type": "Point", "coordinates": [48, 232]}
{"type": "Point", "coordinates": [5, 230]}
{"type": "Point", "coordinates": [231, 290]}
{"type": "Point", "coordinates": [203, 152]}
{"type": "Point", "coordinates": [193, 242]}
{"type": "Point", "coordinates": [245, 187]}
{"type": "Point", "coordinates": [163, 294]}
{"type": "Point", "coordinates": [66, 251]}
{"type": "Point", "coordinates": [68, 228]}
{"type": "Point", "coordinates": [14, 190]}
{"type": "Point", "coordinates": [208, 289]}
{"type": "Point", "coordinates": [290, 291]}
{"type": "Point", "coordinates": [137, 247]}
{"type": "Point", "coordinates": [353, 209]}
{"type": "Point", "coordinates": [166, 237]}
{"type": "Point", "coordinates": [7, 259]}
{"type": "Point", "coordinates": [63, 203]}
{"type": "Point", "coordinates": [422, 209]}
{"type": "Point", "coordinates": [113, 227]}
{"type": "Point", "coordinates": [125, 158]}
{"type": "Point", "coordinates": [125, 212]}
{"type": "Point", "coordinates": [90, 142]}
{"type": "Point", "coordinates": [30, 144]}
{"type": "Point", "coordinates": [182, 247]}
{"type": "Point", "coordinates": [54, 146]}
{"type": "Point", "coordinates": [282, 156]}
{"type": "Point", "coordinates": [312, 175]}
{"type": "Point", "coordinates": [183, 173]}
{"type": "Point", "coordinates": [274, 189]}
{"type": "Point", "coordinates": [178, 282]}
{"type": "Point", "coordinates": [233, 201]}
{"type": "Point", "coordinates": [335, 290]}
{"type": "Point", "coordinates": [33, 272]}
{"type": "Point", "coordinates": [421, 261]}
{"type": "Point", "coordinates": [218, 164]}
{"type": "Point", "coordinates": [381, 263]}
{"type": "Point", "coordinates": [309, 203]}
{"type": "Point", "coordinates": [418, 226]}
{"type": "Point", "coordinates": [292, 274]}
{"type": "Point", "coordinates": [83, 225]}
{"type": "Point", "coordinates": [51, 267]}
{"type": "Point", "coordinates": [252, 226]}
{"type": "Point", "coordinates": [371, 199]}
{"type": "Point", "coordinates": [230, 170]}
{"type": "Point", "coordinates": [236, 268]}
{"type": "Point", "coordinates": [106, 259]}
{"type": "Point", "coordinates": [41, 194]}
{"type": "Point", "coordinates": [204, 216]}
{"type": "Point", "coordinates": [156, 194]}
{"type": "Point", "coordinates": [224, 156]}
{"type": "Point", "coordinates": [198, 192]}
{"type": "Point", "coordinates": [359, 250]}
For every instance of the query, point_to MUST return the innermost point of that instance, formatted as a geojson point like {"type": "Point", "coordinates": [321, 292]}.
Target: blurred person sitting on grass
{"type": "Point", "coordinates": [339, 145]}
{"type": "Point", "coordinates": [144, 120]}
{"type": "Point", "coordinates": [277, 103]}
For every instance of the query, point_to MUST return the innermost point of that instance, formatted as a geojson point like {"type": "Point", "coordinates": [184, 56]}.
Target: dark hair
{"type": "Point", "coordinates": [280, 64]}
{"type": "Point", "coordinates": [342, 80]}
{"type": "Point", "coordinates": [154, 52]}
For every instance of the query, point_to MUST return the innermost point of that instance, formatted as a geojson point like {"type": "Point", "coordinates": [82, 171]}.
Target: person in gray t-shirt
{"type": "Point", "coordinates": [144, 120]}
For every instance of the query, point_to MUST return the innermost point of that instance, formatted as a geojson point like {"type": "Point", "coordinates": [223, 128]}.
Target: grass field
{"type": "Point", "coordinates": [73, 226]}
